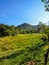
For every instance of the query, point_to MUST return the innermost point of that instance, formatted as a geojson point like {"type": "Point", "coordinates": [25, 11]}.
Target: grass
{"type": "Point", "coordinates": [22, 48]}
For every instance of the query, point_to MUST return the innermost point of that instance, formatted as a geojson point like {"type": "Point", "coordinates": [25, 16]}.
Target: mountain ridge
{"type": "Point", "coordinates": [27, 26]}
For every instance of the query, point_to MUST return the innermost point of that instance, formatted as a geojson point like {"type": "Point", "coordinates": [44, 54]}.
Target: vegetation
{"type": "Point", "coordinates": [19, 46]}
{"type": "Point", "coordinates": [23, 48]}
{"type": "Point", "coordinates": [46, 5]}
{"type": "Point", "coordinates": [25, 44]}
{"type": "Point", "coordinates": [6, 30]}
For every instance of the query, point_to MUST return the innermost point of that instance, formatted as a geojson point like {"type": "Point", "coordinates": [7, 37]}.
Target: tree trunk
{"type": "Point", "coordinates": [46, 57]}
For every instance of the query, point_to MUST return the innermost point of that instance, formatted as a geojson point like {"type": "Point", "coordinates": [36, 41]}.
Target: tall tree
{"type": "Point", "coordinates": [46, 5]}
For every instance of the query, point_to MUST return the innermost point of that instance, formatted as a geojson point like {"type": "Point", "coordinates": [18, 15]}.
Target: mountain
{"type": "Point", "coordinates": [27, 26]}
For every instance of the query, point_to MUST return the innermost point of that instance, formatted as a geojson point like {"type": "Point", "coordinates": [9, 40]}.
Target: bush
{"type": "Point", "coordinates": [44, 38]}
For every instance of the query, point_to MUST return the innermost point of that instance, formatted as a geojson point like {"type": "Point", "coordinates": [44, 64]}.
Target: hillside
{"type": "Point", "coordinates": [20, 49]}
{"type": "Point", "coordinates": [27, 26]}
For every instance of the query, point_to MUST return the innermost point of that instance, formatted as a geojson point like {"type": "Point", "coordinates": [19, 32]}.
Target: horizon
{"type": "Point", "coordinates": [24, 24]}
{"type": "Point", "coordinates": [16, 12]}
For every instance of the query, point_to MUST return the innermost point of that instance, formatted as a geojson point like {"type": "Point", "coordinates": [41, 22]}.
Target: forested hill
{"type": "Point", "coordinates": [25, 28]}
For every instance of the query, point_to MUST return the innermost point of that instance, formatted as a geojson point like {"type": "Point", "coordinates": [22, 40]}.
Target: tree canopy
{"type": "Point", "coordinates": [6, 30]}
{"type": "Point", "coordinates": [46, 4]}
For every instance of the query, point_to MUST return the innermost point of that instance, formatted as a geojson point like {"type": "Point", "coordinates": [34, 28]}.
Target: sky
{"type": "Point", "coordinates": [16, 12]}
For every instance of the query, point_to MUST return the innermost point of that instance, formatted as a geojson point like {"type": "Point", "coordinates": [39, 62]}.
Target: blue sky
{"type": "Point", "coordinates": [16, 12]}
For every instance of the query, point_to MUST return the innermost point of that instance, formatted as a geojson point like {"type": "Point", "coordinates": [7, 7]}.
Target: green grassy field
{"type": "Point", "coordinates": [22, 48]}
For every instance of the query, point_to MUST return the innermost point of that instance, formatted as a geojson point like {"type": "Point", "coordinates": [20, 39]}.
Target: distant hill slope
{"type": "Point", "coordinates": [22, 48]}
{"type": "Point", "coordinates": [27, 26]}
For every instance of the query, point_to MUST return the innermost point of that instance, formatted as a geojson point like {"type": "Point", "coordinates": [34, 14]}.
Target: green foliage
{"type": "Point", "coordinates": [47, 32]}
{"type": "Point", "coordinates": [6, 30]}
{"type": "Point", "coordinates": [20, 49]}
{"type": "Point", "coordinates": [46, 4]}
{"type": "Point", "coordinates": [43, 0]}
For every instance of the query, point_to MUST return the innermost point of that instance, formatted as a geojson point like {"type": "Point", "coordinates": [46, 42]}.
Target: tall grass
{"type": "Point", "coordinates": [19, 49]}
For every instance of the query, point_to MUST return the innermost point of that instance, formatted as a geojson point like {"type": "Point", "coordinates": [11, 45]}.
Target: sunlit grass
{"type": "Point", "coordinates": [21, 47]}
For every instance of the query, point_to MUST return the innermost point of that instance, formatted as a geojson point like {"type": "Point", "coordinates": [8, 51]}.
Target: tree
{"type": "Point", "coordinates": [2, 28]}
{"type": "Point", "coordinates": [46, 5]}
{"type": "Point", "coordinates": [13, 30]}
{"type": "Point", "coordinates": [17, 31]}
{"type": "Point", "coordinates": [7, 32]}
{"type": "Point", "coordinates": [42, 28]}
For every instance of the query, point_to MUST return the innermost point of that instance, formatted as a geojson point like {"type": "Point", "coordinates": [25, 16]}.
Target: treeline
{"type": "Point", "coordinates": [6, 30]}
